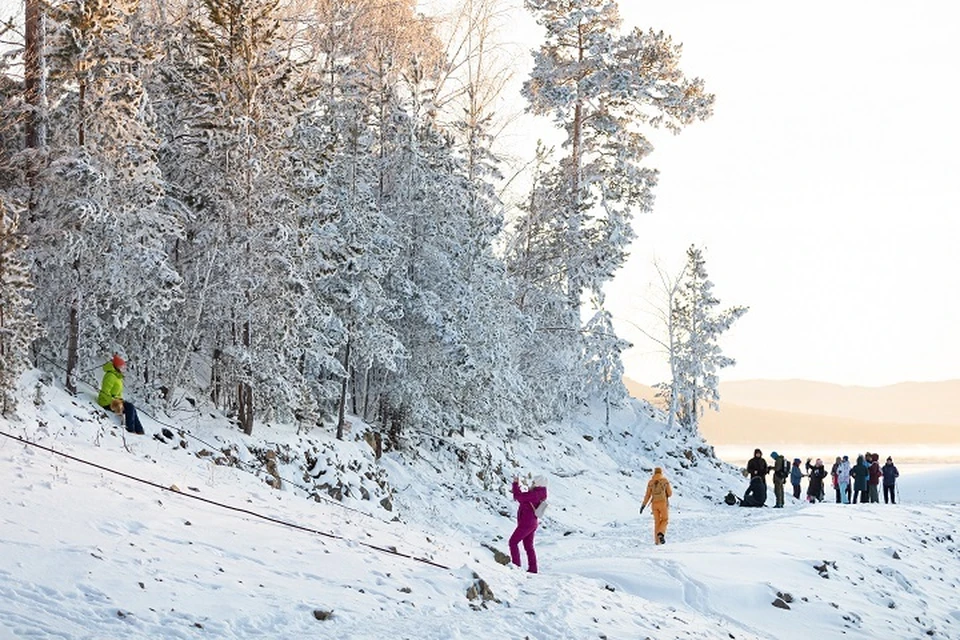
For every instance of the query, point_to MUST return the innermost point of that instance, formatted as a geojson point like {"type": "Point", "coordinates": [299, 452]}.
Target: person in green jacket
{"type": "Point", "coordinates": [111, 394]}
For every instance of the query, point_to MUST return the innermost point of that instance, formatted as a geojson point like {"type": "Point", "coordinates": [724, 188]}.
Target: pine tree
{"type": "Point", "coordinates": [550, 344]}
{"type": "Point", "coordinates": [18, 325]}
{"type": "Point", "coordinates": [100, 227]}
{"type": "Point", "coordinates": [698, 357]}
{"type": "Point", "coordinates": [230, 97]}
{"type": "Point", "coordinates": [601, 88]}
{"type": "Point", "coordinates": [603, 357]}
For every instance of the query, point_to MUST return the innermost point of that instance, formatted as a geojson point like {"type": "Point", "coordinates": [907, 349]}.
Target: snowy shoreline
{"type": "Point", "coordinates": [917, 456]}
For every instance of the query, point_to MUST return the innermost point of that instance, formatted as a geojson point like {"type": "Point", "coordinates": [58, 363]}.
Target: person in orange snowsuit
{"type": "Point", "coordinates": [658, 496]}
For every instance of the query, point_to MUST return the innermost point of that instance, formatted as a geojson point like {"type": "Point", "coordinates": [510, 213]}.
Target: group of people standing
{"type": "Point", "coordinates": [851, 483]}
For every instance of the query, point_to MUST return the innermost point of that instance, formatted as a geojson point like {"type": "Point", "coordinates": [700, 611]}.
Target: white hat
{"type": "Point", "coordinates": [540, 481]}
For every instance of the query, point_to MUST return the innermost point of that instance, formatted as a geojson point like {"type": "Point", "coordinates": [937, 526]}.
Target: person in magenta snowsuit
{"type": "Point", "coordinates": [527, 520]}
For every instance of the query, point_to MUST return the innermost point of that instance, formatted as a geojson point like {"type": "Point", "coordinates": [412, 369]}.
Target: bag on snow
{"type": "Point", "coordinates": [540, 509]}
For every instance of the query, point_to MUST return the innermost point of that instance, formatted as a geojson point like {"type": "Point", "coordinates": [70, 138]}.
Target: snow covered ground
{"type": "Point", "coordinates": [88, 553]}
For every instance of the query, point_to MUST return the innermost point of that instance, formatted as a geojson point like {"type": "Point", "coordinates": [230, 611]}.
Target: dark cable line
{"type": "Point", "coordinates": [248, 512]}
{"type": "Point", "coordinates": [240, 464]}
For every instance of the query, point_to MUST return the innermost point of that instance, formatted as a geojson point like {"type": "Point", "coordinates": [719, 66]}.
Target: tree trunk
{"type": "Point", "coordinates": [343, 392]}
{"type": "Point", "coordinates": [73, 342]}
{"type": "Point", "coordinates": [245, 390]}
{"type": "Point", "coordinates": [245, 407]}
{"type": "Point", "coordinates": [35, 93]}
{"type": "Point", "coordinates": [573, 222]}
{"type": "Point", "coordinates": [215, 378]}
{"type": "Point", "coordinates": [366, 393]}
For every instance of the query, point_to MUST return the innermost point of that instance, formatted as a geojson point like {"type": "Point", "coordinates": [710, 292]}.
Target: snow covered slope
{"type": "Point", "coordinates": [87, 553]}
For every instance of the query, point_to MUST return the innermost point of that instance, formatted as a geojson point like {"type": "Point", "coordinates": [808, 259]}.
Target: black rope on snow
{"type": "Point", "coordinates": [254, 514]}
{"type": "Point", "coordinates": [240, 464]}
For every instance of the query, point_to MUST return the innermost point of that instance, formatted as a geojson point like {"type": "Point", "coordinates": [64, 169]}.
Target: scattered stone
{"type": "Point", "coordinates": [823, 569]}
{"type": "Point", "coordinates": [498, 556]}
{"type": "Point", "coordinates": [480, 589]}
{"type": "Point", "coordinates": [121, 614]}
{"type": "Point", "coordinates": [896, 556]}
{"type": "Point", "coordinates": [320, 614]}
{"type": "Point", "coordinates": [609, 588]}
{"type": "Point", "coordinates": [141, 585]}
{"type": "Point", "coordinates": [405, 590]}
{"type": "Point", "coordinates": [587, 437]}
{"type": "Point", "coordinates": [786, 597]}
{"type": "Point", "coordinates": [387, 504]}
{"type": "Point", "coordinates": [780, 604]}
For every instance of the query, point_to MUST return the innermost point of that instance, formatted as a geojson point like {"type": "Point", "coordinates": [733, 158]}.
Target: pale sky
{"type": "Point", "coordinates": [825, 188]}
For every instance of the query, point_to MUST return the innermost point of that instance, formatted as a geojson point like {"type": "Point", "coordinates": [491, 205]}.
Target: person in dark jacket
{"type": "Point", "coordinates": [781, 470]}
{"type": "Point", "coordinates": [757, 465]}
{"type": "Point", "coordinates": [873, 480]}
{"type": "Point", "coordinates": [795, 474]}
{"type": "Point", "coordinates": [890, 475]}
{"type": "Point", "coordinates": [859, 473]}
{"type": "Point", "coordinates": [527, 520]}
{"type": "Point", "coordinates": [757, 468]}
{"type": "Point", "coordinates": [815, 487]}
{"type": "Point", "coordinates": [756, 494]}
{"type": "Point", "coordinates": [810, 469]}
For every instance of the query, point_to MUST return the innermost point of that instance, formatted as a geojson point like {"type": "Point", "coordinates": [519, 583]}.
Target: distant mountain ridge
{"type": "Point", "coordinates": [800, 411]}
{"type": "Point", "coordinates": [906, 402]}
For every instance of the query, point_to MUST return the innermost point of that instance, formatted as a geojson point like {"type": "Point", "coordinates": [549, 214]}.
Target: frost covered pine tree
{"type": "Point", "coordinates": [697, 358]}
{"type": "Point", "coordinates": [99, 231]}
{"type": "Point", "coordinates": [602, 355]}
{"type": "Point", "coordinates": [548, 344]}
{"type": "Point", "coordinates": [335, 151]}
{"type": "Point", "coordinates": [601, 88]}
{"type": "Point", "coordinates": [228, 96]}
{"type": "Point", "coordinates": [18, 325]}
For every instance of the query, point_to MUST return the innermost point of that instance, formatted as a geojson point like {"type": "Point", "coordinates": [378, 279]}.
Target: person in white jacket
{"type": "Point", "coordinates": [843, 480]}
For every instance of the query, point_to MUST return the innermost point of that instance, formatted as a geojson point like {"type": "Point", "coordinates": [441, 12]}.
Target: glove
{"type": "Point", "coordinates": [641, 508]}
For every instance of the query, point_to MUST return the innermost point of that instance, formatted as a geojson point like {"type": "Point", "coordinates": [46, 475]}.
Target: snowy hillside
{"type": "Point", "coordinates": [89, 553]}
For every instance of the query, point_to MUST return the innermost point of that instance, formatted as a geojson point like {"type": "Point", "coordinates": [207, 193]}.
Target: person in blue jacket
{"type": "Point", "coordinates": [795, 475]}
